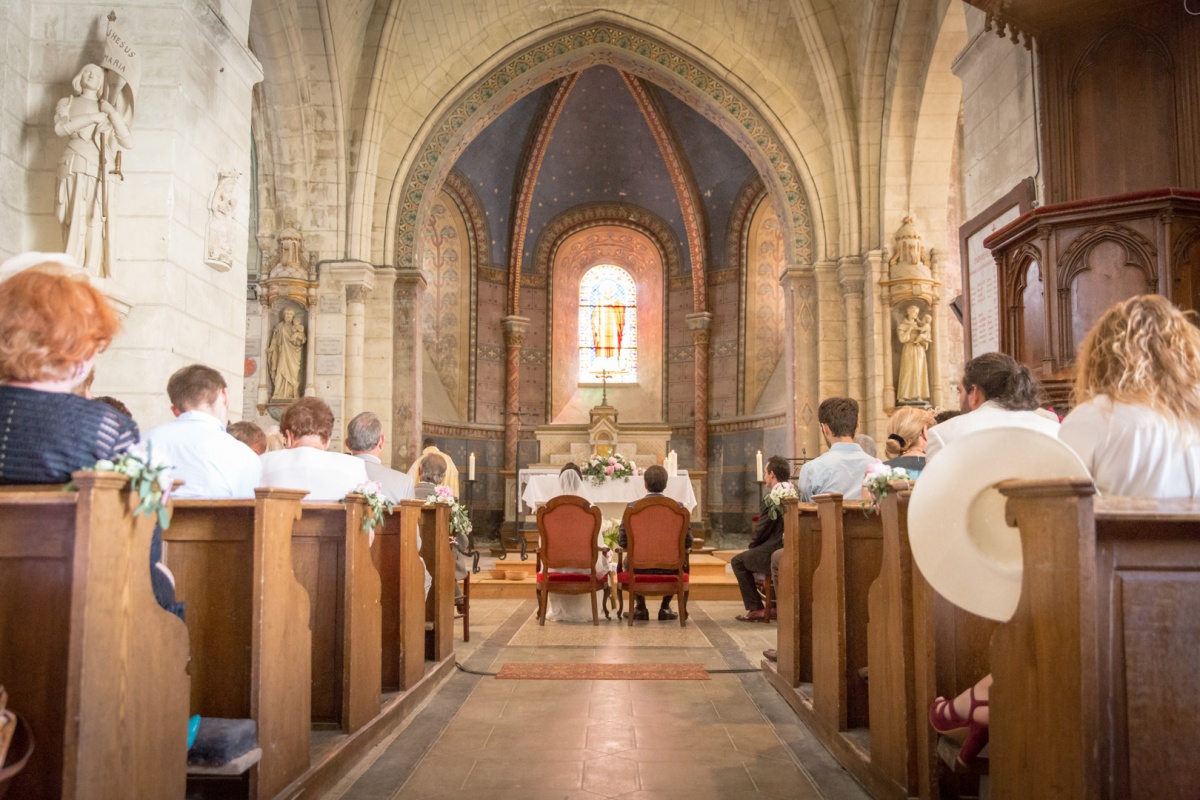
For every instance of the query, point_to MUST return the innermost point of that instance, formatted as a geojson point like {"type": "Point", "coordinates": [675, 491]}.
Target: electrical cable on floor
{"type": "Point", "coordinates": [710, 671]}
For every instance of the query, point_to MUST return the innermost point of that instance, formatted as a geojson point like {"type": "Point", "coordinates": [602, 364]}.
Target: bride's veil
{"type": "Point", "coordinates": [569, 482]}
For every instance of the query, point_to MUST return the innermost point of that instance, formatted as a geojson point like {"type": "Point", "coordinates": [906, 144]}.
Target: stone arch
{"type": "Point", "coordinates": [616, 44]}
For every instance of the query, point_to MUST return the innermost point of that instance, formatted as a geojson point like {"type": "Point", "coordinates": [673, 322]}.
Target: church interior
{"type": "Point", "coordinates": [642, 237]}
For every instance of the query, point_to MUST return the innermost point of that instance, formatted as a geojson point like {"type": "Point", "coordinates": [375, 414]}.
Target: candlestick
{"type": "Point", "coordinates": [471, 467]}
{"type": "Point", "coordinates": [758, 469]}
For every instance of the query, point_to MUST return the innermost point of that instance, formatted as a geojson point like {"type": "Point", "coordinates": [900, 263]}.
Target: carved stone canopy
{"type": "Point", "coordinates": [910, 259]}
{"type": "Point", "coordinates": [289, 260]}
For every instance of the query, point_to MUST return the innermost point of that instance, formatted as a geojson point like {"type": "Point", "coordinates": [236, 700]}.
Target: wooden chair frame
{"type": "Point", "coordinates": [657, 588]}
{"type": "Point", "coordinates": [573, 587]}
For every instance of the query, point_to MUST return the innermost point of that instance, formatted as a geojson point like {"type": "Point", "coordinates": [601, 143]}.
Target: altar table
{"type": "Point", "coordinates": [611, 496]}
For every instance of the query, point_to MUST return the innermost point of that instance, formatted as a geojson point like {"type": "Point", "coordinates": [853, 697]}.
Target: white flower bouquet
{"type": "Point", "coordinates": [775, 497]}
{"type": "Point", "coordinates": [149, 478]}
{"type": "Point", "coordinates": [599, 469]}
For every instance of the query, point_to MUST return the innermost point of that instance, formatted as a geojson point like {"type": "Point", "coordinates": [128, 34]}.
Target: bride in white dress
{"type": "Point", "coordinates": [575, 607]}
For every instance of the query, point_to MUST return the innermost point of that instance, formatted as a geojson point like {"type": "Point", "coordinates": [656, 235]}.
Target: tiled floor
{"type": "Point", "coordinates": [478, 737]}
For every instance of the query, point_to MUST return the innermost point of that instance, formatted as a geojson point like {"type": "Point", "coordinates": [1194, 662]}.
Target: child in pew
{"type": "Point", "coordinates": [1137, 428]}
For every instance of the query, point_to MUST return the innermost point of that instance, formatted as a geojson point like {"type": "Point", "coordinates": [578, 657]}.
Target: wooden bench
{"type": "Point", "coordinates": [331, 557]}
{"type": "Point", "coordinates": [247, 619]}
{"type": "Point", "coordinates": [1095, 692]}
{"type": "Point", "coordinates": [402, 582]}
{"type": "Point", "coordinates": [89, 659]}
{"type": "Point", "coordinates": [801, 549]}
{"type": "Point", "coordinates": [439, 560]}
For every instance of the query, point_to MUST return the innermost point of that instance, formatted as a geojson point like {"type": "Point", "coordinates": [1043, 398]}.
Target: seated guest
{"type": "Point", "coordinates": [655, 480]}
{"type": "Point", "coordinates": [364, 440]}
{"type": "Point", "coordinates": [1137, 386]}
{"type": "Point", "coordinates": [574, 607]}
{"type": "Point", "coordinates": [114, 403]}
{"type": "Point", "coordinates": [1137, 428]}
{"type": "Point", "coordinates": [53, 324]}
{"type": "Point", "coordinates": [250, 435]}
{"type": "Point", "coordinates": [307, 426]}
{"type": "Point", "coordinates": [867, 444]}
{"type": "Point", "coordinates": [449, 471]}
{"type": "Point", "coordinates": [995, 392]}
{"type": "Point", "coordinates": [840, 469]}
{"type": "Point", "coordinates": [768, 537]}
{"type": "Point", "coordinates": [210, 462]}
{"type": "Point", "coordinates": [946, 414]}
{"type": "Point", "coordinates": [906, 440]}
{"type": "Point", "coordinates": [432, 475]}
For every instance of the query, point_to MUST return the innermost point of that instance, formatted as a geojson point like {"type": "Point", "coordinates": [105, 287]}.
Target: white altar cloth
{"type": "Point", "coordinates": [540, 488]}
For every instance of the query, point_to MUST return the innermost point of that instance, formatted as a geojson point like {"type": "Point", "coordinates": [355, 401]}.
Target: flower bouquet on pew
{"type": "Point", "coordinates": [599, 469]}
{"type": "Point", "coordinates": [377, 506]}
{"type": "Point", "coordinates": [460, 519]}
{"type": "Point", "coordinates": [876, 482]}
{"type": "Point", "coordinates": [774, 499]}
{"type": "Point", "coordinates": [148, 477]}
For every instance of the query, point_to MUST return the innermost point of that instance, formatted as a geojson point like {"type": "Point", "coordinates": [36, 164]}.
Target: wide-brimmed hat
{"type": "Point", "coordinates": [956, 527]}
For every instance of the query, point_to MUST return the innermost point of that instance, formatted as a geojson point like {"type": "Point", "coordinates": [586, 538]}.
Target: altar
{"type": "Point", "coordinates": [611, 496]}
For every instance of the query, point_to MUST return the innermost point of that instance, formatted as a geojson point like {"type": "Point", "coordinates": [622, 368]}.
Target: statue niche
{"type": "Point", "coordinates": [913, 327]}
{"type": "Point", "coordinates": [285, 353]}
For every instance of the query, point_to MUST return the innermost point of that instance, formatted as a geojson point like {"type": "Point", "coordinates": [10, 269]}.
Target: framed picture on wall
{"type": "Point", "coordinates": [981, 277]}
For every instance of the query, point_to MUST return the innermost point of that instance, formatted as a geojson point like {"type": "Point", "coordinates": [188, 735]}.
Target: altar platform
{"type": "Point", "coordinates": [711, 579]}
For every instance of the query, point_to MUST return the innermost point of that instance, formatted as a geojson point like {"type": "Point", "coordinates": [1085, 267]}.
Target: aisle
{"type": "Point", "coordinates": [483, 738]}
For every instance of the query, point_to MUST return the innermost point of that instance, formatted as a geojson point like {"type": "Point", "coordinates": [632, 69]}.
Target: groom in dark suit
{"type": "Point", "coordinates": [655, 479]}
{"type": "Point", "coordinates": [768, 537]}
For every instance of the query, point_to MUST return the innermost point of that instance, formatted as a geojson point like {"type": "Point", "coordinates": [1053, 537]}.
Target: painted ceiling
{"type": "Point", "coordinates": [602, 150]}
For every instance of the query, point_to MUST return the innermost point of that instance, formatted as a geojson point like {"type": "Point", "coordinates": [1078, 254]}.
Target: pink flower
{"type": "Point", "coordinates": [612, 461]}
{"type": "Point", "coordinates": [609, 469]}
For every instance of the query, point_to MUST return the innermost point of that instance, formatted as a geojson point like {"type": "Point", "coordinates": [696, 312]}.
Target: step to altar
{"type": "Point", "coordinates": [710, 579]}
{"type": "Point", "coordinates": [702, 566]}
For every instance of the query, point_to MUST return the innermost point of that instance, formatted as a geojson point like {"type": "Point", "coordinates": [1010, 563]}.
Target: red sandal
{"type": "Point", "coordinates": [945, 719]}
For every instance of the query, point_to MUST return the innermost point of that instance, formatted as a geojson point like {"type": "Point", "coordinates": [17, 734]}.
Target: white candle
{"type": "Point", "coordinates": [758, 466]}
{"type": "Point", "coordinates": [471, 467]}
{"type": "Point", "coordinates": [674, 463]}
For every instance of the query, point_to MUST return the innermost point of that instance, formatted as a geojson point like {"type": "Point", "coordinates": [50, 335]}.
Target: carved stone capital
{"type": "Point", "coordinates": [357, 293]}
{"type": "Point", "coordinates": [515, 329]}
{"type": "Point", "coordinates": [700, 324]}
{"type": "Point", "coordinates": [357, 276]}
{"type": "Point", "coordinates": [850, 275]}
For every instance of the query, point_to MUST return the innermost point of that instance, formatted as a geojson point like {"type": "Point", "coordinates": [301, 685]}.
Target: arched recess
{"type": "Point", "coordinates": [645, 246]}
{"type": "Point", "coordinates": [760, 261]}
{"type": "Point", "coordinates": [620, 45]}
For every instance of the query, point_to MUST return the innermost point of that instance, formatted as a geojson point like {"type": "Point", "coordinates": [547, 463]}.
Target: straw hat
{"type": "Point", "coordinates": [956, 527]}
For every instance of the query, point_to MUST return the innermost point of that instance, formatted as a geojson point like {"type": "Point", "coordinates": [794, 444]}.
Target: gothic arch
{"type": "Point", "coordinates": [480, 255]}
{"type": "Point", "coordinates": [616, 44]}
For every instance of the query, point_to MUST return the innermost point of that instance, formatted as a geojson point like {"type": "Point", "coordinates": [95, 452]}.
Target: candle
{"type": "Point", "coordinates": [758, 466]}
{"type": "Point", "coordinates": [471, 467]}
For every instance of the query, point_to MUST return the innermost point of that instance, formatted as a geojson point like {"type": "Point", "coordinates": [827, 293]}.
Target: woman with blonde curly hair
{"type": "Point", "coordinates": [905, 445]}
{"type": "Point", "coordinates": [1137, 387]}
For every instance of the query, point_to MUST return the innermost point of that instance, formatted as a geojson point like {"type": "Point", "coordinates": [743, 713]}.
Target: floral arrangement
{"type": "Point", "coordinates": [774, 499]}
{"type": "Point", "coordinates": [610, 529]}
{"type": "Point", "coordinates": [460, 520]}
{"type": "Point", "coordinates": [877, 479]}
{"type": "Point", "coordinates": [377, 505]}
{"type": "Point", "coordinates": [149, 477]}
{"type": "Point", "coordinates": [599, 469]}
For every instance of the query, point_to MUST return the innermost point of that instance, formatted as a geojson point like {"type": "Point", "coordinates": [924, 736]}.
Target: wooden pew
{"type": "Point", "coordinates": [439, 560]}
{"type": "Point", "coordinates": [1095, 692]}
{"type": "Point", "coordinates": [88, 657]}
{"type": "Point", "coordinates": [331, 557]}
{"type": "Point", "coordinates": [402, 582]}
{"type": "Point", "coordinates": [247, 619]}
{"type": "Point", "coordinates": [801, 549]}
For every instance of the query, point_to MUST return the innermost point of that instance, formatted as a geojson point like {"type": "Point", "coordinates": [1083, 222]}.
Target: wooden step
{"type": "Point", "coordinates": [701, 588]}
{"type": "Point", "coordinates": [701, 566]}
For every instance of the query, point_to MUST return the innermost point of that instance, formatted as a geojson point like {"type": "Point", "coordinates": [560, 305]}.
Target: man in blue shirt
{"type": "Point", "coordinates": [842, 467]}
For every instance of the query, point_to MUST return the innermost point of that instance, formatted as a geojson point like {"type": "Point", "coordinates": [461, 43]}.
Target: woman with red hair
{"type": "Point", "coordinates": [53, 324]}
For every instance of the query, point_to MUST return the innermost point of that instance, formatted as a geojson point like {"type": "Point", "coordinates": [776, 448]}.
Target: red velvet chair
{"type": "Point", "coordinates": [568, 533]}
{"type": "Point", "coordinates": [655, 538]}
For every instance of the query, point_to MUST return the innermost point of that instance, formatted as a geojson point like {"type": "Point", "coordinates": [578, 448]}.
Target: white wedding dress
{"type": "Point", "coordinates": [576, 607]}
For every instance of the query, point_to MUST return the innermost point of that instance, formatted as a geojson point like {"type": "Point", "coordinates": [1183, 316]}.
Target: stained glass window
{"type": "Point", "coordinates": [607, 325]}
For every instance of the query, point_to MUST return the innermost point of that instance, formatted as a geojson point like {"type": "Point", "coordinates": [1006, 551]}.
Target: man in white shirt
{"type": "Point", "coordinates": [364, 440]}
{"type": "Point", "coordinates": [995, 392]}
{"type": "Point", "coordinates": [841, 468]}
{"type": "Point", "coordinates": [210, 462]}
{"type": "Point", "coordinates": [307, 426]}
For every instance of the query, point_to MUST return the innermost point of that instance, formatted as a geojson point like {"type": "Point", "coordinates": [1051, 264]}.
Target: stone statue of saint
{"type": "Point", "coordinates": [221, 209]}
{"type": "Point", "coordinates": [915, 333]}
{"type": "Point", "coordinates": [84, 200]}
{"type": "Point", "coordinates": [283, 356]}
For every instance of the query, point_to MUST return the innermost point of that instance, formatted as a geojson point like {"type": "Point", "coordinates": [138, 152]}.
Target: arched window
{"type": "Point", "coordinates": [607, 326]}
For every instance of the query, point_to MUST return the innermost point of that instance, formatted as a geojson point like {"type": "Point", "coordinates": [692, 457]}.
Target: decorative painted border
{"type": "Point", "coordinates": [740, 425]}
{"type": "Point", "coordinates": [462, 431]}
{"type": "Point", "coordinates": [469, 206]}
{"type": "Point", "coordinates": [629, 51]}
{"type": "Point", "coordinates": [533, 165]}
{"type": "Point", "coordinates": [745, 205]}
{"type": "Point", "coordinates": [685, 186]}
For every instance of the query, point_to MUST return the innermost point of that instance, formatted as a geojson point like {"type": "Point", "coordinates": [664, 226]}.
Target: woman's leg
{"type": "Point", "coordinates": [962, 703]}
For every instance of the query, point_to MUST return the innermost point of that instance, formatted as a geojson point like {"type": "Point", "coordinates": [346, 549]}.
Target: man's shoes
{"type": "Point", "coordinates": [770, 655]}
{"type": "Point", "coordinates": [757, 615]}
{"type": "Point", "coordinates": [666, 613]}
{"type": "Point", "coordinates": [641, 614]}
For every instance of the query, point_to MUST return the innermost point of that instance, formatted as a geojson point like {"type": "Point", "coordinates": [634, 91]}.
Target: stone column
{"type": "Point", "coordinates": [407, 390]}
{"type": "Point", "coordinates": [850, 279]}
{"type": "Point", "coordinates": [358, 278]}
{"type": "Point", "coordinates": [514, 336]}
{"type": "Point", "coordinates": [800, 295]}
{"type": "Point", "coordinates": [310, 353]}
{"type": "Point", "coordinates": [699, 324]}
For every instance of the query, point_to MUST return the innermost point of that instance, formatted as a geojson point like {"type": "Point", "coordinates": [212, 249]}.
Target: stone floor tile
{"type": "Point", "coordinates": [439, 774]}
{"type": "Point", "coordinates": [526, 773]}
{"type": "Point", "coordinates": [725, 780]}
{"type": "Point", "coordinates": [780, 779]}
{"type": "Point", "coordinates": [610, 737]}
{"type": "Point", "coordinates": [610, 776]}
